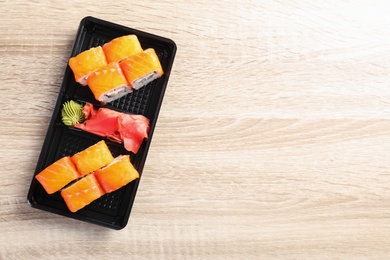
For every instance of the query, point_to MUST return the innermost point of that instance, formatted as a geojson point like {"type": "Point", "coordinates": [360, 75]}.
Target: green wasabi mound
{"type": "Point", "coordinates": [72, 113]}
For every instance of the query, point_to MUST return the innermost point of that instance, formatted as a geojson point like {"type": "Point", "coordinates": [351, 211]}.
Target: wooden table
{"type": "Point", "coordinates": [273, 141]}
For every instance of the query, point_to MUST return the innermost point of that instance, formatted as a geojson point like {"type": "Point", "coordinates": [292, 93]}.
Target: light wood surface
{"type": "Point", "coordinates": [273, 141]}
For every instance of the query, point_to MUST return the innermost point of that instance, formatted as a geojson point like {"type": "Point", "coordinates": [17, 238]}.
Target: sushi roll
{"type": "Point", "coordinates": [141, 68]}
{"type": "Point", "coordinates": [86, 62]}
{"type": "Point", "coordinates": [108, 83]}
{"type": "Point", "coordinates": [116, 174]}
{"type": "Point", "coordinates": [82, 192]}
{"type": "Point", "coordinates": [57, 175]}
{"type": "Point", "coordinates": [92, 158]}
{"type": "Point", "coordinates": [121, 47]}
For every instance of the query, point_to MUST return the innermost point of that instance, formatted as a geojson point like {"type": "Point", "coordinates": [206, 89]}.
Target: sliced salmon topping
{"type": "Point", "coordinates": [121, 47]}
{"type": "Point", "coordinates": [141, 68]}
{"type": "Point", "coordinates": [108, 83]}
{"type": "Point", "coordinates": [92, 158]}
{"type": "Point", "coordinates": [57, 175]}
{"type": "Point", "coordinates": [117, 174]}
{"type": "Point", "coordinates": [86, 62]}
{"type": "Point", "coordinates": [82, 193]}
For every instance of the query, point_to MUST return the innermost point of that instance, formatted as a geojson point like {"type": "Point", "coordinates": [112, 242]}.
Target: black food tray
{"type": "Point", "coordinates": [111, 210]}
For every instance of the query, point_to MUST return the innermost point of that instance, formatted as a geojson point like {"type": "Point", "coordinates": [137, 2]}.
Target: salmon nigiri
{"type": "Point", "coordinates": [116, 174]}
{"type": "Point", "coordinates": [108, 83]}
{"type": "Point", "coordinates": [86, 62]}
{"type": "Point", "coordinates": [92, 158]}
{"type": "Point", "coordinates": [121, 47]}
{"type": "Point", "coordinates": [57, 175]}
{"type": "Point", "coordinates": [81, 193]}
{"type": "Point", "coordinates": [141, 68]}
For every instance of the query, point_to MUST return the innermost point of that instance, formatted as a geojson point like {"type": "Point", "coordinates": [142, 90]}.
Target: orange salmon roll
{"type": "Point", "coordinates": [108, 83]}
{"type": "Point", "coordinates": [57, 175]}
{"type": "Point", "coordinates": [92, 158]}
{"type": "Point", "coordinates": [117, 174]}
{"type": "Point", "coordinates": [121, 47]}
{"type": "Point", "coordinates": [86, 62]}
{"type": "Point", "coordinates": [81, 193]}
{"type": "Point", "coordinates": [141, 68]}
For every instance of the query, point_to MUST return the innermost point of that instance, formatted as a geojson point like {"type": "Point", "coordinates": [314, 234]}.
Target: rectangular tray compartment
{"type": "Point", "coordinates": [113, 209]}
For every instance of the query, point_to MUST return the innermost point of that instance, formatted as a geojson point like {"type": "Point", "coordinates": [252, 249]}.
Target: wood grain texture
{"type": "Point", "coordinates": [273, 140]}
